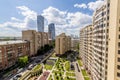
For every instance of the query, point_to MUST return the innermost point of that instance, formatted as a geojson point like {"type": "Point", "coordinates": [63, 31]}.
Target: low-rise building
{"type": "Point", "coordinates": [10, 51]}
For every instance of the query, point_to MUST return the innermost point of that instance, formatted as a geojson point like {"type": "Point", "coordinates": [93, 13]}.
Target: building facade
{"type": "Point", "coordinates": [114, 41]}
{"type": "Point", "coordinates": [10, 51]}
{"type": "Point", "coordinates": [51, 31]}
{"type": "Point", "coordinates": [62, 44]}
{"type": "Point", "coordinates": [74, 43]}
{"type": "Point", "coordinates": [100, 41]}
{"type": "Point", "coordinates": [94, 43]}
{"type": "Point", "coordinates": [36, 39]}
{"type": "Point", "coordinates": [40, 23]}
{"type": "Point", "coordinates": [86, 48]}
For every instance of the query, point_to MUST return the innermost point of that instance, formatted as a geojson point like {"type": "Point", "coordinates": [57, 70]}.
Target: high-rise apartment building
{"type": "Point", "coordinates": [62, 43]}
{"type": "Point", "coordinates": [10, 51]}
{"type": "Point", "coordinates": [96, 47]}
{"type": "Point", "coordinates": [36, 39]}
{"type": "Point", "coordinates": [114, 41]}
{"type": "Point", "coordinates": [51, 31]}
{"type": "Point", "coordinates": [86, 48]}
{"type": "Point", "coordinates": [100, 41]}
{"type": "Point", "coordinates": [40, 23]}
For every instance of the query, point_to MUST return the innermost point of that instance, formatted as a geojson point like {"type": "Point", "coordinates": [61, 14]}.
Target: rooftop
{"type": "Point", "coordinates": [11, 42]}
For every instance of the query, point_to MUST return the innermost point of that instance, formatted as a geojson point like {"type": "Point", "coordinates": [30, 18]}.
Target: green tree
{"type": "Point", "coordinates": [22, 61]}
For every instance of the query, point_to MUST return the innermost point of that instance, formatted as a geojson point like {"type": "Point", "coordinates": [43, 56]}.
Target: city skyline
{"type": "Point", "coordinates": [22, 15]}
{"type": "Point", "coordinates": [60, 40]}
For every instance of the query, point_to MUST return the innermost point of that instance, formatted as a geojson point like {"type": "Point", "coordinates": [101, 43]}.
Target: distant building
{"type": "Point", "coordinates": [36, 39]}
{"type": "Point", "coordinates": [62, 43]}
{"type": "Point", "coordinates": [40, 23]}
{"type": "Point", "coordinates": [10, 51]}
{"type": "Point", "coordinates": [51, 31]}
{"type": "Point", "coordinates": [74, 43]}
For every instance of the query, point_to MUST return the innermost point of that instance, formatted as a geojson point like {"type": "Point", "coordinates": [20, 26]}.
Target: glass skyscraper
{"type": "Point", "coordinates": [51, 30]}
{"type": "Point", "coordinates": [40, 23]}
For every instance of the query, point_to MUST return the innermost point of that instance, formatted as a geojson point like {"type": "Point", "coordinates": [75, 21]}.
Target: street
{"type": "Point", "coordinates": [36, 60]}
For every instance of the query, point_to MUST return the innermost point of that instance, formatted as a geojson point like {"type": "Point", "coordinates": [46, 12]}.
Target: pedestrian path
{"type": "Point", "coordinates": [79, 75]}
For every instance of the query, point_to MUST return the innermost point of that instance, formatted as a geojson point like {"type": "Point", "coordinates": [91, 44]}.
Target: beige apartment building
{"type": "Point", "coordinates": [36, 39]}
{"type": "Point", "coordinates": [114, 41]}
{"type": "Point", "coordinates": [62, 43]}
{"type": "Point", "coordinates": [10, 51]}
{"type": "Point", "coordinates": [86, 54]}
{"type": "Point", "coordinates": [94, 43]}
{"type": "Point", "coordinates": [74, 43]}
{"type": "Point", "coordinates": [100, 41]}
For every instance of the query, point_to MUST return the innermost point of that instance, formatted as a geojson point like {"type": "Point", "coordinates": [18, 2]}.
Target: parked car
{"type": "Point", "coordinates": [30, 67]}
{"type": "Point", "coordinates": [19, 70]}
{"type": "Point", "coordinates": [18, 75]}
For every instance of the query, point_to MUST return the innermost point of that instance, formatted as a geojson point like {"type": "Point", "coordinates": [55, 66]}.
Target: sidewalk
{"type": "Point", "coordinates": [79, 75]}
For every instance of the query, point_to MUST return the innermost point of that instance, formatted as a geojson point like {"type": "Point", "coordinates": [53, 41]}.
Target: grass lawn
{"type": "Point", "coordinates": [84, 73]}
{"type": "Point", "coordinates": [68, 78]}
{"type": "Point", "coordinates": [58, 77]}
{"type": "Point", "coordinates": [48, 67]}
{"type": "Point", "coordinates": [70, 74]}
{"type": "Point", "coordinates": [58, 72]}
{"type": "Point", "coordinates": [67, 66]}
{"type": "Point", "coordinates": [80, 63]}
{"type": "Point", "coordinates": [86, 78]}
{"type": "Point", "coordinates": [37, 67]}
{"type": "Point", "coordinates": [54, 55]}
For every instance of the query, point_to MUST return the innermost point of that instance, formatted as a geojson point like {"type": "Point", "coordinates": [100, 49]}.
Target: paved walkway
{"type": "Point", "coordinates": [79, 75]}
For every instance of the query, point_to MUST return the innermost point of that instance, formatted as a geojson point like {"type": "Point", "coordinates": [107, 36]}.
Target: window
{"type": "Point", "coordinates": [118, 67]}
{"type": "Point", "coordinates": [107, 24]}
{"type": "Point", "coordinates": [118, 51]}
{"type": "Point", "coordinates": [119, 44]}
{"type": "Point", "coordinates": [118, 74]}
{"type": "Point", "coordinates": [119, 37]}
{"type": "Point", "coordinates": [107, 17]}
{"type": "Point", "coordinates": [108, 4]}
{"type": "Point", "coordinates": [107, 30]}
{"type": "Point", "coordinates": [118, 59]}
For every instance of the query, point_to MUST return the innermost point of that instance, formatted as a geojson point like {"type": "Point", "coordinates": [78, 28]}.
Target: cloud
{"type": "Point", "coordinates": [78, 19]}
{"type": "Point", "coordinates": [29, 21]}
{"type": "Point", "coordinates": [15, 19]}
{"type": "Point", "coordinates": [94, 5]}
{"type": "Point", "coordinates": [54, 15]}
{"type": "Point", "coordinates": [91, 5]}
{"type": "Point", "coordinates": [25, 11]}
{"type": "Point", "coordinates": [66, 20]}
{"type": "Point", "coordinates": [69, 22]}
{"type": "Point", "coordinates": [80, 5]}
